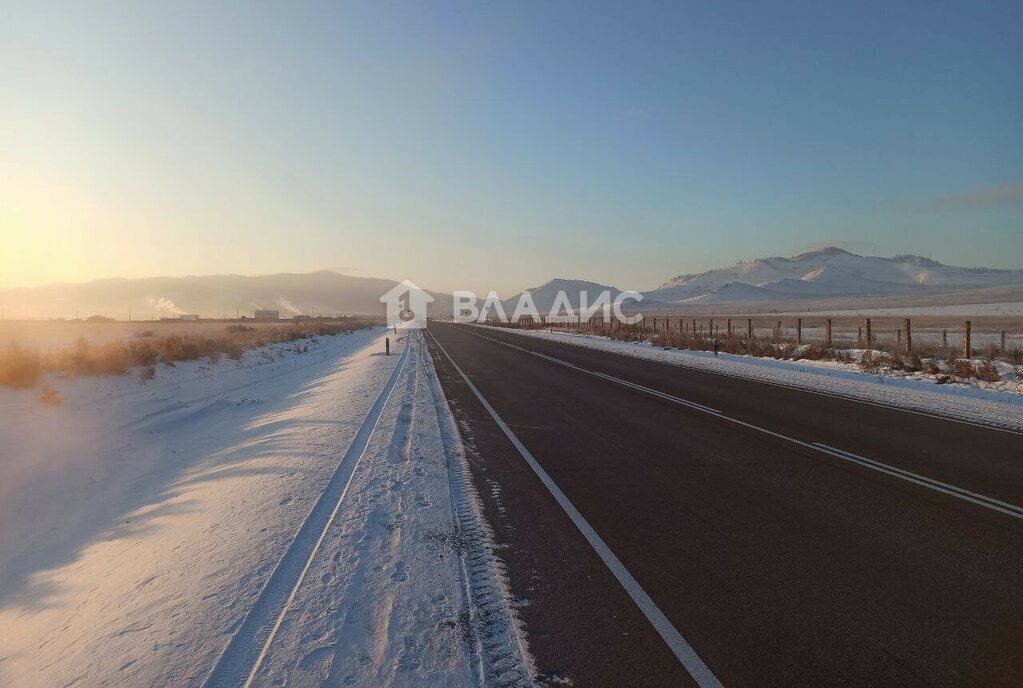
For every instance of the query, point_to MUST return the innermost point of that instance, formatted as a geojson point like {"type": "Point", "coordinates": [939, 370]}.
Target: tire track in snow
{"type": "Point", "coordinates": [241, 658]}
{"type": "Point", "coordinates": [496, 642]}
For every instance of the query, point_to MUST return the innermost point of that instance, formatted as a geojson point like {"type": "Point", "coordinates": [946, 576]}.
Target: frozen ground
{"type": "Point", "coordinates": [975, 401]}
{"type": "Point", "coordinates": [144, 525]}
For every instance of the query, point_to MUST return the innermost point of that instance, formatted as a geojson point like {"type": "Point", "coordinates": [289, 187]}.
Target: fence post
{"type": "Point", "coordinates": [909, 337]}
{"type": "Point", "coordinates": [694, 327]}
{"type": "Point", "coordinates": [749, 329]}
{"type": "Point", "coordinates": [944, 339]}
{"type": "Point", "coordinates": [387, 346]}
{"type": "Point", "coordinates": [967, 350]}
{"type": "Point", "coordinates": [729, 327]}
{"type": "Point", "coordinates": [870, 335]}
{"type": "Point", "coordinates": [799, 330]}
{"type": "Point", "coordinates": [859, 337]}
{"type": "Point", "coordinates": [710, 327]}
{"type": "Point", "coordinates": [1003, 342]}
{"type": "Point", "coordinates": [827, 334]}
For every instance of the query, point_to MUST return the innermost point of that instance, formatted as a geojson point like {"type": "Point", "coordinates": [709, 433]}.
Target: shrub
{"type": "Point", "coordinates": [870, 362]}
{"type": "Point", "coordinates": [143, 354]}
{"type": "Point", "coordinates": [986, 371]}
{"type": "Point", "coordinates": [19, 368]}
{"type": "Point", "coordinates": [49, 397]}
{"type": "Point", "coordinates": [961, 367]}
{"type": "Point", "coordinates": [85, 359]}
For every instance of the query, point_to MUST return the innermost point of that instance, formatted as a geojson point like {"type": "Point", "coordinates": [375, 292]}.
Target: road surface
{"type": "Point", "coordinates": [731, 532]}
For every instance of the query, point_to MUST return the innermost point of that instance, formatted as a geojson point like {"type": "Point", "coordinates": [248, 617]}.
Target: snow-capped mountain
{"type": "Point", "coordinates": [826, 272]}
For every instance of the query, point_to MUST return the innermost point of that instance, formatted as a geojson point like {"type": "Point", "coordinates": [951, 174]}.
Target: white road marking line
{"type": "Point", "coordinates": [937, 485]}
{"type": "Point", "coordinates": [679, 646]}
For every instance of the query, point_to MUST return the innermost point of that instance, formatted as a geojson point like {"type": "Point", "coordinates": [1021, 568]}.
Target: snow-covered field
{"type": "Point", "coordinates": [144, 525]}
{"type": "Point", "coordinates": [974, 401]}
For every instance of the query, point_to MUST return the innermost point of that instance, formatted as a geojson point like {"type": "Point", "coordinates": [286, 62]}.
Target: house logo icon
{"type": "Point", "coordinates": [406, 305]}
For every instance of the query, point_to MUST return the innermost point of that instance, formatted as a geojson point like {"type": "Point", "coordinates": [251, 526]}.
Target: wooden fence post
{"type": "Point", "coordinates": [710, 327]}
{"type": "Point", "coordinates": [799, 330]}
{"type": "Point", "coordinates": [749, 329]}
{"type": "Point", "coordinates": [1003, 342]}
{"type": "Point", "coordinates": [944, 339]}
{"type": "Point", "coordinates": [870, 335]}
{"type": "Point", "coordinates": [909, 337]}
{"type": "Point", "coordinates": [967, 350]}
{"type": "Point", "coordinates": [729, 327]}
{"type": "Point", "coordinates": [827, 334]}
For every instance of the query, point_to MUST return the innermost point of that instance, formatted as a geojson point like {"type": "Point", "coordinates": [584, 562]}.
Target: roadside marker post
{"type": "Point", "coordinates": [387, 346]}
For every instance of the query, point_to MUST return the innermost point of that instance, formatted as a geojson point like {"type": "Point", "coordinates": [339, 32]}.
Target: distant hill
{"type": "Point", "coordinates": [829, 272]}
{"type": "Point", "coordinates": [545, 295]}
{"type": "Point", "coordinates": [816, 276]}
{"type": "Point", "coordinates": [212, 296]}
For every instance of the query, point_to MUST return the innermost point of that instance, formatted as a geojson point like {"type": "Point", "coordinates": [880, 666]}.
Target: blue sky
{"type": "Point", "coordinates": [496, 145]}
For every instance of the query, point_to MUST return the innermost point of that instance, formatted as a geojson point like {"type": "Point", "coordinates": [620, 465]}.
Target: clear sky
{"type": "Point", "coordinates": [494, 145]}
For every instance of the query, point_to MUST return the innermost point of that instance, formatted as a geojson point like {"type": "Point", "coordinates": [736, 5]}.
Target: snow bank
{"type": "Point", "coordinates": [140, 521]}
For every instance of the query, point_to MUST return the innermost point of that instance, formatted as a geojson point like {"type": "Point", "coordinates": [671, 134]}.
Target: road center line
{"type": "Point", "coordinates": [678, 645]}
{"type": "Point", "coordinates": [945, 488]}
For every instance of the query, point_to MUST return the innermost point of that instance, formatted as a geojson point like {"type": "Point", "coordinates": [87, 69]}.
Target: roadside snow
{"type": "Point", "coordinates": [140, 521]}
{"type": "Point", "coordinates": [405, 591]}
{"type": "Point", "coordinates": [964, 401]}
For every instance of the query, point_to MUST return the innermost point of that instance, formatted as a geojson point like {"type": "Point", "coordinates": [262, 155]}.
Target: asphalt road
{"type": "Point", "coordinates": [891, 555]}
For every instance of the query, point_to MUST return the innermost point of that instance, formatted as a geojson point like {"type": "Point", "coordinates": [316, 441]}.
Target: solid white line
{"type": "Point", "coordinates": [679, 646]}
{"type": "Point", "coordinates": [937, 485]}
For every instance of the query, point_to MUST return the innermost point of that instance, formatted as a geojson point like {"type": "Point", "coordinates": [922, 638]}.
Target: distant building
{"type": "Point", "coordinates": [268, 315]}
{"type": "Point", "coordinates": [188, 316]}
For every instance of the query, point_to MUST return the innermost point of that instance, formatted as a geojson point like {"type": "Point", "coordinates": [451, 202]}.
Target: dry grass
{"type": "Point", "coordinates": [778, 343]}
{"type": "Point", "coordinates": [21, 368]}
